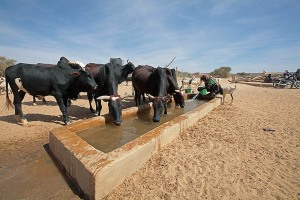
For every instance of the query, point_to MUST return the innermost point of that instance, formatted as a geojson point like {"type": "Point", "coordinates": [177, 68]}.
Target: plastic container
{"type": "Point", "coordinates": [188, 91]}
{"type": "Point", "coordinates": [202, 90]}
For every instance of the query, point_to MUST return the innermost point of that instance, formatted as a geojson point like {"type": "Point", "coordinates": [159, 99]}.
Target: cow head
{"type": "Point", "coordinates": [65, 60]}
{"type": "Point", "coordinates": [83, 81]}
{"type": "Point", "coordinates": [125, 70]}
{"type": "Point", "coordinates": [115, 107]}
{"type": "Point", "coordinates": [159, 105]}
{"type": "Point", "coordinates": [178, 98]}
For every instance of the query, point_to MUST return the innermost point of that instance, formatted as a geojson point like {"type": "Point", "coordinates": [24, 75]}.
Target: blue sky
{"type": "Point", "coordinates": [248, 36]}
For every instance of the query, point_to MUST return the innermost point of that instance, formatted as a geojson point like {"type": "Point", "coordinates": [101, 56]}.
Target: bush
{"type": "Point", "coordinates": [222, 72]}
{"type": "Point", "coordinates": [4, 63]}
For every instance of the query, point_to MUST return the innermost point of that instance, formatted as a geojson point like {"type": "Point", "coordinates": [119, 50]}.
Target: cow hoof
{"type": "Point", "coordinates": [24, 122]}
{"type": "Point", "coordinates": [34, 104]}
{"type": "Point", "coordinates": [118, 123]}
{"type": "Point", "coordinates": [68, 121]}
{"type": "Point", "coordinates": [18, 118]}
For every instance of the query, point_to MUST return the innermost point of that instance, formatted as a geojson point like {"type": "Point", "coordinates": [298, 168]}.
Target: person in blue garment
{"type": "Point", "coordinates": [286, 74]}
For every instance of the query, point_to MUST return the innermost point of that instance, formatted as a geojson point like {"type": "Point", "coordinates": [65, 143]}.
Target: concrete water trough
{"type": "Point", "coordinates": [98, 172]}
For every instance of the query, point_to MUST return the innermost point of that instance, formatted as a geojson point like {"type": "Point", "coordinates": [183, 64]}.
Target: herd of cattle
{"type": "Point", "coordinates": [67, 79]}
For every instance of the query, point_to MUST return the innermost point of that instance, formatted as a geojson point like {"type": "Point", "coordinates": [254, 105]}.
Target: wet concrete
{"type": "Point", "coordinates": [42, 178]}
{"type": "Point", "coordinates": [38, 178]}
{"type": "Point", "coordinates": [109, 137]}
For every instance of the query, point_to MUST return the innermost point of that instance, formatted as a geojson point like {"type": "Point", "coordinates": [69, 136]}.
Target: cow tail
{"type": "Point", "coordinates": [8, 101]}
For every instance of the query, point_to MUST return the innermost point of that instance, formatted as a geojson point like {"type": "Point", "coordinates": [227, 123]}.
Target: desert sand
{"type": "Point", "coordinates": [226, 155]}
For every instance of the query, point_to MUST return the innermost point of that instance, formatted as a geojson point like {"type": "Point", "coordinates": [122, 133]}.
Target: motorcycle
{"type": "Point", "coordinates": [291, 81]}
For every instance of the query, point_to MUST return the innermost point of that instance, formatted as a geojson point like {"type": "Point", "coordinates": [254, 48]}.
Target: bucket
{"type": "Point", "coordinates": [188, 90]}
{"type": "Point", "coordinates": [202, 90]}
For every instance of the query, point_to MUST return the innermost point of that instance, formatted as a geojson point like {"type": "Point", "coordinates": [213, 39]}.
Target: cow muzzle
{"type": "Point", "coordinates": [117, 123]}
{"type": "Point", "coordinates": [95, 87]}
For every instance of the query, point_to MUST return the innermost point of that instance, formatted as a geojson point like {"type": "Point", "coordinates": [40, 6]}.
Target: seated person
{"type": "Point", "coordinates": [211, 85]}
{"type": "Point", "coordinates": [286, 74]}
{"type": "Point", "coordinates": [268, 79]}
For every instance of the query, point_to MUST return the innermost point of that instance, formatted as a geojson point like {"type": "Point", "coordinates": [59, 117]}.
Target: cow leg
{"type": "Point", "coordinates": [34, 101]}
{"type": "Point", "coordinates": [98, 107]}
{"type": "Point", "coordinates": [137, 98]}
{"type": "Point", "coordinates": [63, 108]}
{"type": "Point", "coordinates": [69, 102]}
{"type": "Point", "coordinates": [90, 98]}
{"type": "Point", "coordinates": [66, 101]}
{"type": "Point", "coordinates": [133, 91]}
{"type": "Point", "coordinates": [18, 108]}
{"type": "Point", "coordinates": [144, 98]}
{"type": "Point", "coordinates": [165, 107]}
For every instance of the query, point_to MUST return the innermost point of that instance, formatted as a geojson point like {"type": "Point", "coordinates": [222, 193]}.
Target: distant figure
{"type": "Point", "coordinates": [268, 79]}
{"type": "Point", "coordinates": [264, 72]}
{"type": "Point", "coordinates": [286, 74]}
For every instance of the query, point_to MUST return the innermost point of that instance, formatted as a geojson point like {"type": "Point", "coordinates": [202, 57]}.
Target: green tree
{"type": "Point", "coordinates": [222, 72]}
{"type": "Point", "coordinates": [4, 63]}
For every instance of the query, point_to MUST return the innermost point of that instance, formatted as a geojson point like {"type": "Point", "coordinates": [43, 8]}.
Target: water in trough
{"type": "Point", "coordinates": [109, 137]}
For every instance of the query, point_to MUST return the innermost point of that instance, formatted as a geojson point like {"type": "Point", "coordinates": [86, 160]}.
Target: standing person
{"type": "Point", "coordinates": [211, 85]}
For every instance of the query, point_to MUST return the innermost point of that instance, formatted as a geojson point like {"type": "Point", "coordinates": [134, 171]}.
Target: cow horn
{"type": "Point", "coordinates": [82, 65]}
{"type": "Point", "coordinates": [177, 91]}
{"type": "Point", "coordinates": [115, 98]}
{"type": "Point", "coordinates": [104, 97]}
{"type": "Point", "coordinates": [149, 95]}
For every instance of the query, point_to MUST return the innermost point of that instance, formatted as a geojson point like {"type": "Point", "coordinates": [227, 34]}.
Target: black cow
{"type": "Point", "coordinates": [156, 83]}
{"type": "Point", "coordinates": [73, 65]}
{"type": "Point", "coordinates": [61, 81]}
{"type": "Point", "coordinates": [108, 77]}
{"type": "Point", "coordinates": [173, 87]}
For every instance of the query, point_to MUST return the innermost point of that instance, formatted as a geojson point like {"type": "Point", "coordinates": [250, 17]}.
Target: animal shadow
{"type": "Point", "coordinates": [75, 113]}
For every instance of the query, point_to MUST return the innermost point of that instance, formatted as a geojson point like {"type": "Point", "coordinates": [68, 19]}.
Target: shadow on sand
{"type": "Point", "coordinates": [75, 113]}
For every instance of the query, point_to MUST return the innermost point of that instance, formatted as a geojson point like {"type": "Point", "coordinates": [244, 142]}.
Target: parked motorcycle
{"type": "Point", "coordinates": [287, 82]}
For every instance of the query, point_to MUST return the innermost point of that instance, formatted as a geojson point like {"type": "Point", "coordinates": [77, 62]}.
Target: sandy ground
{"type": "Point", "coordinates": [226, 155]}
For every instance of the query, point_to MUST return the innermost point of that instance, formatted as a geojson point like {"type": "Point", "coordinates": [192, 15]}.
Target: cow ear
{"type": "Point", "coordinates": [102, 75]}
{"type": "Point", "coordinates": [75, 74]}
